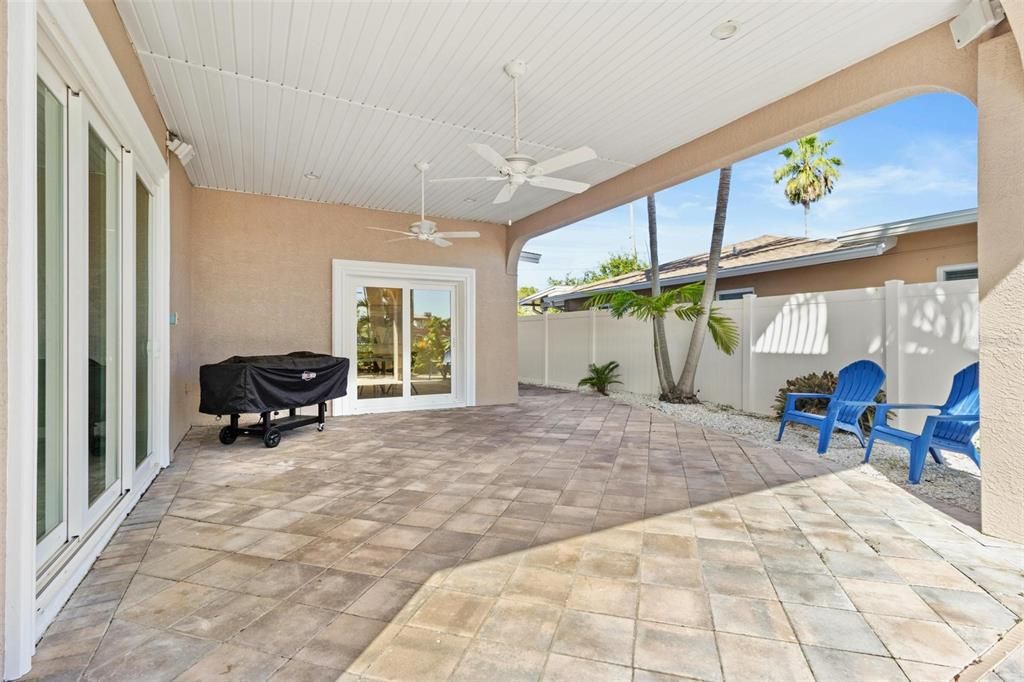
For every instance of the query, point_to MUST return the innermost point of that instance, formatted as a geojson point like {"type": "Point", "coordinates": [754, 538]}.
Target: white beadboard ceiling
{"type": "Point", "coordinates": [356, 93]}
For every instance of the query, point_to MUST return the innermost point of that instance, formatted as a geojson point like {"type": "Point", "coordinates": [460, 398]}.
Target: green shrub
{"type": "Point", "coordinates": [600, 377]}
{"type": "Point", "coordinates": [824, 382]}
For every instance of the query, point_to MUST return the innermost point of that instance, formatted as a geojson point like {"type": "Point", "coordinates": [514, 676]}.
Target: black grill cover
{"type": "Point", "coordinates": [263, 383]}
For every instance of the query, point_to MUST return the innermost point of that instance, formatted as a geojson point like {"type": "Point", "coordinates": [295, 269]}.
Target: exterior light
{"type": "Point", "coordinates": [725, 30]}
{"type": "Point", "coordinates": [311, 176]}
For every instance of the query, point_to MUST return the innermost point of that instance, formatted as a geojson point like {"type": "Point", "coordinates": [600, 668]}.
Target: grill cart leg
{"type": "Point", "coordinates": [321, 416]}
{"type": "Point", "coordinates": [229, 433]}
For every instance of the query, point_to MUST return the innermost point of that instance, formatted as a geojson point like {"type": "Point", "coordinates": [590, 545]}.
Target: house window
{"type": "Point", "coordinates": [733, 294]}
{"type": "Point", "coordinates": [950, 273]}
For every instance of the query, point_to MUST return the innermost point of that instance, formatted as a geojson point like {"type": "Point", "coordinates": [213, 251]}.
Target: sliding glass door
{"type": "Point", "coordinates": [94, 322]}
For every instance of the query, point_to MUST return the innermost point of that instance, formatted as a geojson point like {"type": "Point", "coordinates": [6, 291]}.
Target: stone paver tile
{"type": "Point", "coordinates": [496, 661]}
{"type": "Point", "coordinates": [728, 551]}
{"type": "Point", "coordinates": [833, 628]}
{"type": "Point", "coordinates": [333, 589]}
{"type": "Point", "coordinates": [1012, 667]}
{"type": "Point", "coordinates": [419, 567]}
{"type": "Point", "coordinates": [384, 599]}
{"type": "Point", "coordinates": [371, 560]}
{"type": "Point", "coordinates": [668, 545]}
{"type": "Point", "coordinates": [521, 624]}
{"type": "Point", "coordinates": [457, 613]}
{"type": "Point", "coordinates": [599, 595]}
{"type": "Point", "coordinates": [816, 589]}
{"type": "Point", "coordinates": [887, 599]}
{"type": "Point", "coordinates": [833, 664]}
{"type": "Point", "coordinates": [861, 566]}
{"type": "Point", "coordinates": [673, 605]}
{"type": "Point", "coordinates": [285, 629]}
{"type": "Point", "coordinates": [161, 657]}
{"type": "Point", "coordinates": [170, 605]}
{"type": "Point", "coordinates": [418, 654]}
{"type": "Point", "coordinates": [179, 563]}
{"type": "Point", "coordinates": [616, 540]}
{"type": "Point", "coordinates": [233, 662]}
{"type": "Point", "coordinates": [356, 530]}
{"type": "Point", "coordinates": [423, 518]}
{"type": "Point", "coordinates": [561, 668]}
{"type": "Point", "coordinates": [486, 578]}
{"type": "Point", "coordinates": [975, 609]}
{"type": "Point", "coordinates": [448, 542]}
{"type": "Point", "coordinates": [606, 564]}
{"type": "Point", "coordinates": [445, 503]}
{"type": "Point", "coordinates": [466, 522]}
{"type": "Point", "coordinates": [539, 585]}
{"type": "Point", "coordinates": [322, 552]}
{"type": "Point", "coordinates": [686, 652]}
{"type": "Point", "coordinates": [558, 556]}
{"type": "Point", "coordinates": [399, 537]}
{"type": "Point", "coordinates": [737, 580]}
{"type": "Point", "coordinates": [278, 545]}
{"type": "Point", "coordinates": [790, 560]}
{"type": "Point", "coordinates": [280, 579]}
{"type": "Point", "coordinates": [595, 636]}
{"type": "Point", "coordinates": [222, 618]}
{"type": "Point", "coordinates": [747, 658]}
{"type": "Point", "coordinates": [931, 573]}
{"type": "Point", "coordinates": [514, 529]}
{"type": "Point", "coordinates": [755, 617]}
{"type": "Point", "coordinates": [274, 519]}
{"type": "Point", "coordinates": [341, 642]}
{"type": "Point", "coordinates": [300, 671]}
{"type": "Point", "coordinates": [663, 570]}
{"type": "Point", "coordinates": [230, 572]}
{"type": "Point", "coordinates": [928, 672]}
{"type": "Point", "coordinates": [919, 640]}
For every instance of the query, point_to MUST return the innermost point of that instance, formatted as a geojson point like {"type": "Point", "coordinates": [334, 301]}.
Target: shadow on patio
{"type": "Point", "coordinates": [566, 537]}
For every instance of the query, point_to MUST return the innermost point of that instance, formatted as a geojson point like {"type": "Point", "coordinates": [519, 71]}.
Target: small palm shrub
{"type": "Point", "coordinates": [823, 382]}
{"type": "Point", "coordinates": [600, 377]}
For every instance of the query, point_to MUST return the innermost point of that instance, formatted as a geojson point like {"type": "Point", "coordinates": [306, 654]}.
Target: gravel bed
{"type": "Point", "coordinates": [958, 483]}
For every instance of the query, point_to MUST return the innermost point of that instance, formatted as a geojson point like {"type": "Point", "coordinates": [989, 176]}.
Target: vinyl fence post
{"type": "Point", "coordinates": [546, 346]}
{"type": "Point", "coordinates": [893, 341]}
{"type": "Point", "coordinates": [746, 351]}
{"type": "Point", "coordinates": [593, 336]}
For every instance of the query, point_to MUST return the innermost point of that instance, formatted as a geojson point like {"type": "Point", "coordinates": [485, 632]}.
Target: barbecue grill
{"type": "Point", "coordinates": [268, 384]}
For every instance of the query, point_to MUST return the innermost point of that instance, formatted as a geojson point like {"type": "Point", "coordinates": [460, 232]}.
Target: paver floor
{"type": "Point", "coordinates": [564, 538]}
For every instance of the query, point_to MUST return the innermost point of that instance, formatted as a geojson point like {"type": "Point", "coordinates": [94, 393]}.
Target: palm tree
{"type": "Point", "coordinates": [685, 386]}
{"type": "Point", "coordinates": [661, 357]}
{"type": "Point", "coordinates": [809, 172]}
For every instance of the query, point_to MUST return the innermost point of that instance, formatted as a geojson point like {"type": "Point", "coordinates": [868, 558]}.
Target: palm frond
{"type": "Point", "coordinates": [724, 331]}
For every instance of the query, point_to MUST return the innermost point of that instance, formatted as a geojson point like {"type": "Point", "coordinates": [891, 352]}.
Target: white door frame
{"type": "Point", "coordinates": [66, 32]}
{"type": "Point", "coordinates": [348, 275]}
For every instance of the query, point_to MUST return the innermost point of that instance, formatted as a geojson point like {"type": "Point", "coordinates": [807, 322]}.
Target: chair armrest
{"type": "Point", "coordinates": [910, 406]}
{"type": "Point", "coordinates": [956, 417]}
{"type": "Point", "coordinates": [791, 398]}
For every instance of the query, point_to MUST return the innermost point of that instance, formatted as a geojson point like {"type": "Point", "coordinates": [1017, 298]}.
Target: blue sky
{"type": "Point", "coordinates": [912, 158]}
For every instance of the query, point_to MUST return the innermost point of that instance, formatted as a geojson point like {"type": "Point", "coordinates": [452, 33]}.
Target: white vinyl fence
{"type": "Point", "coordinates": [921, 334]}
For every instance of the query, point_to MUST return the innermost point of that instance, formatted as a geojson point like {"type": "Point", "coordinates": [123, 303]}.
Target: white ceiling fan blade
{"type": "Point", "coordinates": [457, 235]}
{"type": "Point", "coordinates": [400, 239]}
{"type": "Point", "coordinates": [505, 193]}
{"type": "Point", "coordinates": [489, 178]}
{"type": "Point", "coordinates": [440, 242]}
{"type": "Point", "coordinates": [561, 184]}
{"type": "Point", "coordinates": [492, 157]}
{"type": "Point", "coordinates": [386, 229]}
{"type": "Point", "coordinates": [566, 160]}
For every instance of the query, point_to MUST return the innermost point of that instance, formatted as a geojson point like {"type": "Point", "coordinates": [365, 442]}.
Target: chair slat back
{"type": "Point", "coordinates": [964, 398]}
{"type": "Point", "coordinates": [858, 381]}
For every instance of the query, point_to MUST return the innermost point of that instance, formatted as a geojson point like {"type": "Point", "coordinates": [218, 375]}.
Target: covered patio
{"type": "Point", "coordinates": [567, 537]}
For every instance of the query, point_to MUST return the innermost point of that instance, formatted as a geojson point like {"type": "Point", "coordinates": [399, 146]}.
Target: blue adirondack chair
{"type": "Point", "coordinates": [856, 389]}
{"type": "Point", "coordinates": [953, 428]}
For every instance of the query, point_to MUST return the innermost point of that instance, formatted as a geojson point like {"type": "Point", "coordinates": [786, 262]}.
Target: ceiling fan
{"type": "Point", "coordinates": [518, 169]}
{"type": "Point", "coordinates": [423, 229]}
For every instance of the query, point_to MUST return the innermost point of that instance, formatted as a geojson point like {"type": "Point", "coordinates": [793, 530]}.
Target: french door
{"type": "Point", "coordinates": [94, 321]}
{"type": "Point", "coordinates": [406, 338]}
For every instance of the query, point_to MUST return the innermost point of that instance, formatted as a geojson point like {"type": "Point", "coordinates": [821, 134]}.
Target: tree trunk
{"type": "Point", "coordinates": [807, 212]}
{"type": "Point", "coordinates": [661, 358]}
{"type": "Point", "coordinates": [685, 387]}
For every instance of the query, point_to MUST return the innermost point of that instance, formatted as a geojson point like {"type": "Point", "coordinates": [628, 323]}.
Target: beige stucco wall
{"type": "Point", "coordinates": [1001, 285]}
{"type": "Point", "coordinates": [111, 27]}
{"type": "Point", "coordinates": [261, 279]}
{"type": "Point", "coordinates": [914, 259]}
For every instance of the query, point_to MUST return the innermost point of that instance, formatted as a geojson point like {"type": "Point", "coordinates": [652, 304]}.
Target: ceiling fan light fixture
{"type": "Point", "coordinates": [725, 30]}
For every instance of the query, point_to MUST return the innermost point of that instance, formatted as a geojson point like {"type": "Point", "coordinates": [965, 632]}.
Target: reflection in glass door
{"type": "Point", "coordinates": [104, 319]}
{"type": "Point", "coordinates": [379, 351]}
{"type": "Point", "coordinates": [431, 312]}
{"type": "Point", "coordinates": [51, 529]}
{"type": "Point", "coordinates": [143, 203]}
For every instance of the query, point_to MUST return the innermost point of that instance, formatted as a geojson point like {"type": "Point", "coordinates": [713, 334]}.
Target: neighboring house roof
{"type": "Point", "coordinates": [773, 252]}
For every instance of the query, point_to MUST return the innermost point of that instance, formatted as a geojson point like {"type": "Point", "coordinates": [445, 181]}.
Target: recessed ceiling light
{"type": "Point", "coordinates": [311, 176]}
{"type": "Point", "coordinates": [725, 30]}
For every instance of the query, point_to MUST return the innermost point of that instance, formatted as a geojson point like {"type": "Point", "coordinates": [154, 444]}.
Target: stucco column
{"type": "Point", "coordinates": [1001, 284]}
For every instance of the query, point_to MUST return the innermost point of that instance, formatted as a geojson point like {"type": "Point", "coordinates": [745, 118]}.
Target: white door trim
{"type": "Point", "coordinates": [345, 274]}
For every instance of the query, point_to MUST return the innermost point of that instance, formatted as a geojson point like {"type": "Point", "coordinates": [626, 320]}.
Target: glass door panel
{"type": "Point", "coordinates": [431, 311]}
{"type": "Point", "coordinates": [51, 531]}
{"type": "Point", "coordinates": [379, 343]}
{"type": "Point", "coordinates": [103, 317]}
{"type": "Point", "coordinates": [143, 201]}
